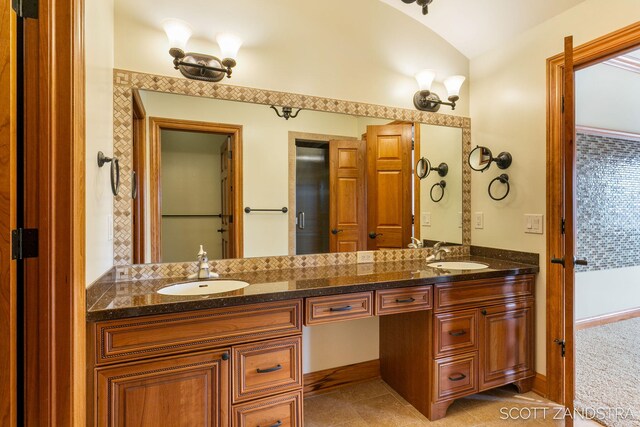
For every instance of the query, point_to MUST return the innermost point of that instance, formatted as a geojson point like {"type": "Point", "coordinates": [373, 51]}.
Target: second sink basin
{"type": "Point", "coordinates": [458, 265]}
{"type": "Point", "coordinates": [203, 287]}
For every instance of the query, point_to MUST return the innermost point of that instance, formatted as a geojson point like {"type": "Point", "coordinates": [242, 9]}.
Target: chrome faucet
{"type": "Point", "coordinates": [203, 267]}
{"type": "Point", "coordinates": [438, 252]}
{"type": "Point", "coordinates": [415, 243]}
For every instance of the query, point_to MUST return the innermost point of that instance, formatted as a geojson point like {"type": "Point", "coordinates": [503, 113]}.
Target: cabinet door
{"type": "Point", "coordinates": [181, 391]}
{"type": "Point", "coordinates": [507, 343]}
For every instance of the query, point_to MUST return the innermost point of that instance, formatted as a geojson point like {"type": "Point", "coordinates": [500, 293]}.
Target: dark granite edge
{"type": "Point", "coordinates": [99, 287]}
{"type": "Point", "coordinates": [529, 258]}
{"type": "Point", "coordinates": [120, 313]}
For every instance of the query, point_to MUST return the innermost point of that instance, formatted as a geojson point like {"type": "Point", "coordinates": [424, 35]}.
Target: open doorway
{"type": "Point", "coordinates": [195, 190]}
{"type": "Point", "coordinates": [563, 220]}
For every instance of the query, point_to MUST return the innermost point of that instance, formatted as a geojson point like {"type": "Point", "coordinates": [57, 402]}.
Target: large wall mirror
{"type": "Point", "coordinates": [242, 181]}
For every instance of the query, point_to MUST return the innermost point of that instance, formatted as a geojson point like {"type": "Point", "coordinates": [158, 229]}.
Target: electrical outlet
{"type": "Point", "coordinates": [109, 227]}
{"type": "Point", "coordinates": [533, 223]}
{"type": "Point", "coordinates": [478, 220]}
{"type": "Point", "coordinates": [426, 219]}
{"type": "Point", "coordinates": [365, 257]}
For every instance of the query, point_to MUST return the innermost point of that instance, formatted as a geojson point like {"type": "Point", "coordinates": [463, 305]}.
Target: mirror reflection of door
{"type": "Point", "coordinates": [389, 186]}
{"type": "Point", "coordinates": [193, 196]}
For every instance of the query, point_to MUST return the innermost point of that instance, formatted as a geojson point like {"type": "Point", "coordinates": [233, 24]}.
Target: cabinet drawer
{"type": "Point", "coordinates": [265, 368]}
{"type": "Point", "coordinates": [390, 301]}
{"type": "Point", "coordinates": [143, 337]}
{"type": "Point", "coordinates": [278, 411]}
{"type": "Point", "coordinates": [338, 307]}
{"type": "Point", "coordinates": [472, 293]}
{"type": "Point", "coordinates": [455, 332]}
{"type": "Point", "coordinates": [456, 376]}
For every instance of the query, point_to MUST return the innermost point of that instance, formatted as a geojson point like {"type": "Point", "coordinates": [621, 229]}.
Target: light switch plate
{"type": "Point", "coordinates": [426, 219]}
{"type": "Point", "coordinates": [478, 220]}
{"type": "Point", "coordinates": [533, 223]}
{"type": "Point", "coordinates": [365, 257]}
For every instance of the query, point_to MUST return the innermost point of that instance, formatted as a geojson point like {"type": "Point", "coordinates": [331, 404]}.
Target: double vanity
{"type": "Point", "coordinates": [235, 358]}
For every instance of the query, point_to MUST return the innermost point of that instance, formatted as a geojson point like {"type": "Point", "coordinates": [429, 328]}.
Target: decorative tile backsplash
{"type": "Point", "coordinates": [608, 202]}
{"type": "Point", "coordinates": [242, 265]}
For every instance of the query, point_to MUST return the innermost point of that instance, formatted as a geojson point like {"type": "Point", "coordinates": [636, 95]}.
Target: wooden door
{"type": "Point", "coordinates": [389, 186]}
{"type": "Point", "coordinates": [226, 193]}
{"type": "Point", "coordinates": [569, 150]}
{"type": "Point", "coordinates": [347, 204]}
{"type": "Point", "coordinates": [506, 343]}
{"type": "Point", "coordinates": [138, 178]}
{"type": "Point", "coordinates": [183, 391]}
{"type": "Point", "coordinates": [8, 203]}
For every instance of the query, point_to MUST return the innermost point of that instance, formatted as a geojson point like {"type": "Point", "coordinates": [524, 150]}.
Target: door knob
{"type": "Point", "coordinates": [558, 261]}
{"type": "Point", "coordinates": [373, 235]}
{"type": "Point", "coordinates": [221, 230]}
{"type": "Point", "coordinates": [336, 231]}
{"type": "Point", "coordinates": [580, 261]}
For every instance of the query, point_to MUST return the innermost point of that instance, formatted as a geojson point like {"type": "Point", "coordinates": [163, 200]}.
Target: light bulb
{"type": "Point", "coordinates": [229, 45]}
{"type": "Point", "coordinates": [178, 33]}
{"type": "Point", "coordinates": [425, 79]}
{"type": "Point", "coordinates": [453, 85]}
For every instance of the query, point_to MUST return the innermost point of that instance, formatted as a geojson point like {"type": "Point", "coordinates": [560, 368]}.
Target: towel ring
{"type": "Point", "coordinates": [115, 171]}
{"type": "Point", "coordinates": [504, 179]}
{"type": "Point", "coordinates": [440, 184]}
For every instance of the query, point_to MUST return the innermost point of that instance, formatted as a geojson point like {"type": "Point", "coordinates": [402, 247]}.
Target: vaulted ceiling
{"type": "Point", "coordinates": [476, 26]}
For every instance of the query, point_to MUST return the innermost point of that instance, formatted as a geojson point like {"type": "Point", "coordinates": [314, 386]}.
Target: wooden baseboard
{"type": "Point", "coordinates": [607, 318]}
{"type": "Point", "coordinates": [540, 385]}
{"type": "Point", "coordinates": [329, 379]}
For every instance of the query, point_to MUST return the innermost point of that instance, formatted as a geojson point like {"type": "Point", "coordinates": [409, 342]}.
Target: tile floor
{"type": "Point", "coordinates": [374, 403]}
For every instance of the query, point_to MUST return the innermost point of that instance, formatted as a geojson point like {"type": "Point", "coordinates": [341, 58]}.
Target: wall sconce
{"type": "Point", "coordinates": [200, 66]}
{"type": "Point", "coordinates": [425, 100]}
{"type": "Point", "coordinates": [287, 112]}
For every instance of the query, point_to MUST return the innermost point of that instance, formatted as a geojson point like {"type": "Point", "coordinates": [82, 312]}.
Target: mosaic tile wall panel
{"type": "Point", "coordinates": [608, 202]}
{"type": "Point", "coordinates": [125, 81]}
{"type": "Point", "coordinates": [157, 271]}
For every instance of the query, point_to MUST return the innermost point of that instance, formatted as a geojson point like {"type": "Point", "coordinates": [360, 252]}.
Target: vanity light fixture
{"type": "Point", "coordinates": [200, 66]}
{"type": "Point", "coordinates": [424, 3]}
{"type": "Point", "coordinates": [425, 100]}
{"type": "Point", "coordinates": [287, 112]}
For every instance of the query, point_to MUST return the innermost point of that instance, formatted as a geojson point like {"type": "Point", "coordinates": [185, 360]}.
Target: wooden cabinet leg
{"type": "Point", "coordinates": [525, 385]}
{"type": "Point", "coordinates": [439, 410]}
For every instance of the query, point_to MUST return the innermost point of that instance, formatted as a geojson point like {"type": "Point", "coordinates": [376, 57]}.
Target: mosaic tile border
{"type": "Point", "coordinates": [125, 81]}
{"type": "Point", "coordinates": [243, 265]}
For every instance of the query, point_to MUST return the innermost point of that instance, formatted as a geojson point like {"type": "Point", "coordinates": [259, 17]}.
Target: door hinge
{"type": "Point", "coordinates": [563, 103]}
{"type": "Point", "coordinates": [563, 226]}
{"type": "Point", "coordinates": [413, 219]}
{"type": "Point", "coordinates": [413, 144]}
{"type": "Point", "coordinates": [24, 243]}
{"type": "Point", "coordinates": [25, 8]}
{"type": "Point", "coordinates": [562, 344]}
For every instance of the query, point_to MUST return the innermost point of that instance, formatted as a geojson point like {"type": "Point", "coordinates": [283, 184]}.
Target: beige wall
{"type": "Point", "coordinates": [99, 135]}
{"type": "Point", "coordinates": [607, 98]}
{"type": "Point", "coordinates": [441, 144]}
{"type": "Point", "coordinates": [190, 174]}
{"type": "Point", "coordinates": [607, 291]}
{"type": "Point", "coordinates": [357, 50]}
{"type": "Point", "coordinates": [508, 107]}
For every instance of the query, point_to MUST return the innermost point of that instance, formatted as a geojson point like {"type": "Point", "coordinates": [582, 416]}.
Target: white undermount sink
{"type": "Point", "coordinates": [458, 265]}
{"type": "Point", "coordinates": [203, 287]}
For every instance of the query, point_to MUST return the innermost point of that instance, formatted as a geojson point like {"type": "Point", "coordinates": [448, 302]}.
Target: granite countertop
{"type": "Point", "coordinates": [118, 300]}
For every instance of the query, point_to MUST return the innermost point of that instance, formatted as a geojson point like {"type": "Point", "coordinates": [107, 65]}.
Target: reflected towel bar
{"type": "Point", "coordinates": [249, 210]}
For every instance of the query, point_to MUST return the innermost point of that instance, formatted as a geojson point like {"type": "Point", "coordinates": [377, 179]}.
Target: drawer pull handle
{"type": "Point", "coordinates": [345, 308]}
{"type": "Point", "coordinates": [401, 301]}
{"type": "Point", "coordinates": [459, 333]}
{"type": "Point", "coordinates": [484, 312]}
{"type": "Point", "coordinates": [264, 371]}
{"type": "Point", "coordinates": [276, 424]}
{"type": "Point", "coordinates": [458, 378]}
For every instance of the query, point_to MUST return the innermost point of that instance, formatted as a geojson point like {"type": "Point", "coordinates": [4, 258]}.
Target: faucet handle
{"type": "Point", "coordinates": [436, 247]}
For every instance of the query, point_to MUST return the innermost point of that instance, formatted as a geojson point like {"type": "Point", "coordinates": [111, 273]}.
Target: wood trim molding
{"type": "Point", "coordinates": [139, 118]}
{"type": "Point", "coordinates": [330, 379]}
{"type": "Point", "coordinates": [540, 386]}
{"type": "Point", "coordinates": [156, 125]}
{"type": "Point", "coordinates": [605, 319]}
{"type": "Point", "coordinates": [8, 202]}
{"type": "Point", "coordinates": [598, 50]}
{"type": "Point", "coordinates": [609, 133]}
{"type": "Point", "coordinates": [293, 136]}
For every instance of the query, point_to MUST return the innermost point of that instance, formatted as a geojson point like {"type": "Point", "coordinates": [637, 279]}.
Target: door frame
{"type": "Point", "coordinates": [587, 54]}
{"type": "Point", "coordinates": [8, 216]}
{"type": "Point", "coordinates": [139, 118]}
{"type": "Point", "coordinates": [156, 125]}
